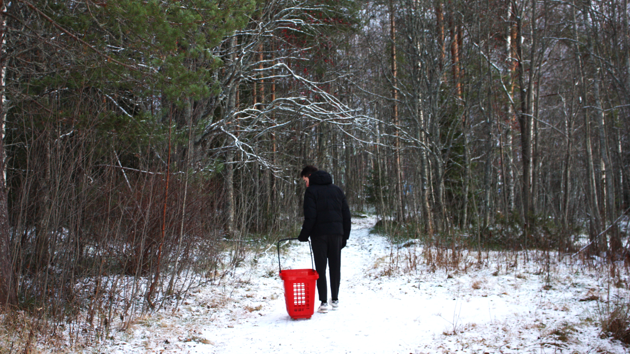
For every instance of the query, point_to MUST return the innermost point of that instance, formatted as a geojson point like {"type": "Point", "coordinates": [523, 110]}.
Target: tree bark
{"type": "Point", "coordinates": [425, 190]}
{"type": "Point", "coordinates": [455, 49]}
{"type": "Point", "coordinates": [623, 183]}
{"type": "Point", "coordinates": [229, 160]}
{"type": "Point", "coordinates": [467, 173]}
{"type": "Point", "coordinates": [423, 170]}
{"type": "Point", "coordinates": [439, 16]}
{"type": "Point", "coordinates": [456, 42]}
{"type": "Point", "coordinates": [8, 293]}
{"type": "Point", "coordinates": [593, 199]}
{"type": "Point", "coordinates": [606, 166]}
{"type": "Point", "coordinates": [400, 215]}
{"type": "Point", "coordinates": [487, 175]}
{"type": "Point", "coordinates": [525, 123]}
{"type": "Point", "coordinates": [508, 164]}
{"type": "Point", "coordinates": [566, 185]}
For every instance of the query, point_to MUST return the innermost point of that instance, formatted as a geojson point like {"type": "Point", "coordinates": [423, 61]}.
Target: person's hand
{"type": "Point", "coordinates": [343, 243]}
{"type": "Point", "coordinates": [303, 239]}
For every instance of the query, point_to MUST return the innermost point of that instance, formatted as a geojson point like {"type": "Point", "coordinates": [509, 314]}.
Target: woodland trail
{"type": "Point", "coordinates": [386, 308]}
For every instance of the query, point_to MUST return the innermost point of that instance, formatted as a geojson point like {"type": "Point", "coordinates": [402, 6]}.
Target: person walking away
{"type": "Point", "coordinates": [327, 222]}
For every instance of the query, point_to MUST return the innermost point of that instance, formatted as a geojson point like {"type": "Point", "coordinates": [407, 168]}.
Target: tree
{"type": "Point", "coordinates": [8, 294]}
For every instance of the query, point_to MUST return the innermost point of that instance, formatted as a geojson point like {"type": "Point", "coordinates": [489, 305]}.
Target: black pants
{"type": "Point", "coordinates": [327, 250]}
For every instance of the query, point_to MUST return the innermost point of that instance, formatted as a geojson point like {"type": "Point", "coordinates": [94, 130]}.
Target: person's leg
{"type": "Point", "coordinates": [334, 262]}
{"type": "Point", "coordinates": [320, 251]}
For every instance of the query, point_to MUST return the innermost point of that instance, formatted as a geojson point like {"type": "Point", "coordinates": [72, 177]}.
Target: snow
{"type": "Point", "coordinates": [389, 306]}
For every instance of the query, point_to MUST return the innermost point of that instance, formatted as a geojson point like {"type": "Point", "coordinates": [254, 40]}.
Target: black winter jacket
{"type": "Point", "coordinates": [326, 211]}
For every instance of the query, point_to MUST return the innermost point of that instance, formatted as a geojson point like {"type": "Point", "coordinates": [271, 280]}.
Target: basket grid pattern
{"type": "Point", "coordinates": [299, 294]}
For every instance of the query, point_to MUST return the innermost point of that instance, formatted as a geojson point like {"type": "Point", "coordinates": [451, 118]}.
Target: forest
{"type": "Point", "coordinates": [142, 140]}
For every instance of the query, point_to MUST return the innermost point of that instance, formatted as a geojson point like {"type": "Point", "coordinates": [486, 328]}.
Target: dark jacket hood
{"type": "Point", "coordinates": [326, 211]}
{"type": "Point", "coordinates": [320, 178]}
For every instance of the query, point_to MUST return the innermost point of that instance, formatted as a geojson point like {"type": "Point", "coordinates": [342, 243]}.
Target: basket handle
{"type": "Point", "coordinates": [310, 247]}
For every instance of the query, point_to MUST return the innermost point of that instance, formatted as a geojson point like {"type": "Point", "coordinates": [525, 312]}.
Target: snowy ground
{"type": "Point", "coordinates": [387, 309]}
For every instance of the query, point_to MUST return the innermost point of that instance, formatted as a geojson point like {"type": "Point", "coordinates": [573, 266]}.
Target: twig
{"type": "Point", "coordinates": [140, 171]}
{"type": "Point", "coordinates": [161, 245]}
{"type": "Point", "coordinates": [601, 233]}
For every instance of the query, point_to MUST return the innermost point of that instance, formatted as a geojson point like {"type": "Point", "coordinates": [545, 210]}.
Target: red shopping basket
{"type": "Point", "coordinates": [299, 288]}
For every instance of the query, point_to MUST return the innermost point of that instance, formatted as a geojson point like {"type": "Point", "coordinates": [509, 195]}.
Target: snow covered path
{"type": "Point", "coordinates": [475, 311]}
{"type": "Point", "coordinates": [374, 316]}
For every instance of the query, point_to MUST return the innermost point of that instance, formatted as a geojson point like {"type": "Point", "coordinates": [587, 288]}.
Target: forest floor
{"type": "Point", "coordinates": [391, 301]}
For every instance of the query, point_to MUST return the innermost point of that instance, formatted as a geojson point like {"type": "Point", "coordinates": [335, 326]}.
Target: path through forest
{"type": "Point", "coordinates": [383, 310]}
{"type": "Point", "coordinates": [377, 314]}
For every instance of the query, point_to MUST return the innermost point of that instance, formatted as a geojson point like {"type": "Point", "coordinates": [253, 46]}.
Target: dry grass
{"type": "Point", "coordinates": [22, 333]}
{"type": "Point", "coordinates": [252, 309]}
{"type": "Point", "coordinates": [615, 321]}
{"type": "Point", "coordinates": [16, 333]}
{"type": "Point", "coordinates": [198, 339]}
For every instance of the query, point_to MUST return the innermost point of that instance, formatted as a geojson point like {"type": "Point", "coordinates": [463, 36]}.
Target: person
{"type": "Point", "coordinates": [327, 222]}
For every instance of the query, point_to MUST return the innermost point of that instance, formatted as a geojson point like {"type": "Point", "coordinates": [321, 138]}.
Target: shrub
{"type": "Point", "coordinates": [615, 321]}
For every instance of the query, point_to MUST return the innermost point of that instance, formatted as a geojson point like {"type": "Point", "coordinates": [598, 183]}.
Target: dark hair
{"type": "Point", "coordinates": [306, 171]}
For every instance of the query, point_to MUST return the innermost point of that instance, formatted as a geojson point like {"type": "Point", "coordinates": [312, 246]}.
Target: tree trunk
{"type": "Point", "coordinates": [273, 205]}
{"type": "Point", "coordinates": [425, 192]}
{"type": "Point", "coordinates": [487, 175]}
{"type": "Point", "coordinates": [8, 293]}
{"type": "Point", "coordinates": [455, 49]}
{"type": "Point", "coordinates": [400, 215]}
{"type": "Point", "coordinates": [508, 164]}
{"type": "Point", "coordinates": [626, 44]}
{"type": "Point", "coordinates": [592, 194]}
{"type": "Point", "coordinates": [187, 168]}
{"type": "Point", "coordinates": [422, 166]}
{"type": "Point", "coordinates": [622, 180]}
{"type": "Point", "coordinates": [261, 84]}
{"type": "Point", "coordinates": [467, 176]}
{"type": "Point", "coordinates": [439, 16]}
{"type": "Point", "coordinates": [623, 184]}
{"type": "Point", "coordinates": [566, 185]}
{"type": "Point", "coordinates": [525, 123]}
{"type": "Point", "coordinates": [608, 188]}
{"type": "Point", "coordinates": [229, 160]}
{"type": "Point", "coordinates": [536, 160]}
{"type": "Point", "coordinates": [440, 195]}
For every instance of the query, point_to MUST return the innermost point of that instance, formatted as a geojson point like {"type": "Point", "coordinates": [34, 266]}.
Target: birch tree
{"type": "Point", "coordinates": [8, 293]}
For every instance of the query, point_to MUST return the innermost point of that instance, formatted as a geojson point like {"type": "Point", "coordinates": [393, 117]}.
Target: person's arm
{"type": "Point", "coordinates": [310, 214]}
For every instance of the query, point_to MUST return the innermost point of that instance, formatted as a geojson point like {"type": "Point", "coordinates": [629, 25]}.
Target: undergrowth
{"type": "Point", "coordinates": [506, 234]}
{"type": "Point", "coordinates": [614, 319]}
{"type": "Point", "coordinates": [28, 329]}
{"type": "Point", "coordinates": [506, 249]}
